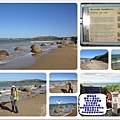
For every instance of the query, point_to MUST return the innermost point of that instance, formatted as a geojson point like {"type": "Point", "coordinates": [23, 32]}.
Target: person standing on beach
{"type": "Point", "coordinates": [70, 90]}
{"type": "Point", "coordinates": [14, 99]}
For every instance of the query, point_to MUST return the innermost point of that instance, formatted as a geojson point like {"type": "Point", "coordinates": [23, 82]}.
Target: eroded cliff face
{"type": "Point", "coordinates": [103, 57]}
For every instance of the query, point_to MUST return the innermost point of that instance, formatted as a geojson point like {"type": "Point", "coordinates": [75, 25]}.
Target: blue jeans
{"type": "Point", "coordinates": [14, 105]}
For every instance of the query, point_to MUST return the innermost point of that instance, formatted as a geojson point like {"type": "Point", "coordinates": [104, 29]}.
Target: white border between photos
{"type": "Point", "coordinates": [78, 71]}
{"type": "Point", "coordinates": [48, 94]}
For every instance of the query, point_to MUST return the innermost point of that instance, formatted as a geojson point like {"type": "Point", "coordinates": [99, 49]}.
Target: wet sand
{"type": "Point", "coordinates": [94, 65]}
{"type": "Point", "coordinates": [57, 59]}
{"type": "Point", "coordinates": [36, 106]}
{"type": "Point", "coordinates": [58, 89]}
{"type": "Point", "coordinates": [73, 113]}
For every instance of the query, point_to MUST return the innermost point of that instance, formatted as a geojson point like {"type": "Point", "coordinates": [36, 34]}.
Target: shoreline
{"type": "Point", "coordinates": [48, 60]}
{"type": "Point", "coordinates": [57, 59]}
{"type": "Point", "coordinates": [73, 113]}
{"type": "Point", "coordinates": [35, 106]}
{"type": "Point", "coordinates": [57, 89]}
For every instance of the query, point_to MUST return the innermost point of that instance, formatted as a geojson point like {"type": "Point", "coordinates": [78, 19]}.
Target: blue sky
{"type": "Point", "coordinates": [64, 99]}
{"type": "Point", "coordinates": [38, 19]}
{"type": "Point", "coordinates": [63, 76]}
{"type": "Point", "coordinates": [115, 51]}
{"type": "Point", "coordinates": [21, 76]}
{"type": "Point", "coordinates": [100, 78]}
{"type": "Point", "coordinates": [91, 53]}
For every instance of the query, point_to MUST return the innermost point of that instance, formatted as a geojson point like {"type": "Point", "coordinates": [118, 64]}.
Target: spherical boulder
{"type": "Point", "coordinates": [43, 44]}
{"type": "Point", "coordinates": [3, 54]}
{"type": "Point", "coordinates": [36, 49]}
{"type": "Point", "coordinates": [28, 89]}
{"type": "Point", "coordinates": [58, 110]}
{"type": "Point", "coordinates": [17, 49]}
{"type": "Point", "coordinates": [21, 88]}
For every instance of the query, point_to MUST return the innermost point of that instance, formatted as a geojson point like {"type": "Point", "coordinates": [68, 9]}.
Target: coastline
{"type": "Point", "coordinates": [73, 113]}
{"type": "Point", "coordinates": [54, 59]}
{"type": "Point", "coordinates": [94, 65]}
{"type": "Point", "coordinates": [58, 89]}
{"type": "Point", "coordinates": [57, 59]}
{"type": "Point", "coordinates": [36, 106]}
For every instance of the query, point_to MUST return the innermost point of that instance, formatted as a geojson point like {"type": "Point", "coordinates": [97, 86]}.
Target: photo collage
{"type": "Point", "coordinates": [59, 60]}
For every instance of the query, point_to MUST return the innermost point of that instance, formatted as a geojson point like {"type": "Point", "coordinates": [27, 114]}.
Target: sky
{"type": "Point", "coordinates": [100, 78]}
{"type": "Point", "coordinates": [37, 19]}
{"type": "Point", "coordinates": [115, 51]}
{"type": "Point", "coordinates": [91, 53]}
{"type": "Point", "coordinates": [21, 76]}
{"type": "Point", "coordinates": [64, 99]}
{"type": "Point", "coordinates": [63, 76]}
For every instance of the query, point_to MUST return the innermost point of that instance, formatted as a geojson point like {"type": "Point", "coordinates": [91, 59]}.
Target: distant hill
{"type": "Point", "coordinates": [29, 80]}
{"type": "Point", "coordinates": [103, 57]}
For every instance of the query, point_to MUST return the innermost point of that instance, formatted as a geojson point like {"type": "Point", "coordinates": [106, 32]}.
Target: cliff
{"type": "Point", "coordinates": [103, 57]}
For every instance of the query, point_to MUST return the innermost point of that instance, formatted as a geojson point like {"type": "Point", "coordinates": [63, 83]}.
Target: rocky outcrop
{"type": "Point", "coordinates": [17, 49]}
{"type": "Point", "coordinates": [36, 49]}
{"type": "Point", "coordinates": [3, 54]}
{"type": "Point", "coordinates": [58, 110]}
{"type": "Point", "coordinates": [103, 57]}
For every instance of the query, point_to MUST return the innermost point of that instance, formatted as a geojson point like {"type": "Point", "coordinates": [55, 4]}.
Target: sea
{"type": "Point", "coordinates": [10, 45]}
{"type": "Point", "coordinates": [83, 59]}
{"type": "Point", "coordinates": [59, 83]}
{"type": "Point", "coordinates": [116, 56]}
{"type": "Point", "coordinates": [99, 84]}
{"type": "Point", "coordinates": [66, 109]}
{"type": "Point", "coordinates": [5, 89]}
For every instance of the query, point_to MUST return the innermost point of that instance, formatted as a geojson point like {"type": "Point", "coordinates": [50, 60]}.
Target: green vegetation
{"type": "Point", "coordinates": [114, 87]}
{"type": "Point", "coordinates": [114, 58]}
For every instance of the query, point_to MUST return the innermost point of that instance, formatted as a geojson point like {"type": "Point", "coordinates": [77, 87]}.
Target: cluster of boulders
{"type": "Point", "coordinates": [34, 49]}
{"type": "Point", "coordinates": [26, 89]}
{"type": "Point", "coordinates": [63, 45]}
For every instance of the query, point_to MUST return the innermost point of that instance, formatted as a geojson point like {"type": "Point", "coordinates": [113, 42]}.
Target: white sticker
{"type": "Point", "coordinates": [92, 104]}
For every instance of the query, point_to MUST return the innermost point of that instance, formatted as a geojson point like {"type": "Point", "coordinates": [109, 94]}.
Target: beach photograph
{"type": "Point", "coordinates": [115, 59]}
{"type": "Point", "coordinates": [63, 106]}
{"type": "Point", "coordinates": [63, 82]}
{"type": "Point", "coordinates": [103, 83]}
{"type": "Point", "coordinates": [23, 94]}
{"type": "Point", "coordinates": [94, 59]}
{"type": "Point", "coordinates": [38, 36]}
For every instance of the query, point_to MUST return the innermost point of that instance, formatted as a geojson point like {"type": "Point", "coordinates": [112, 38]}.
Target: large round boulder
{"type": "Point", "coordinates": [43, 44]}
{"type": "Point", "coordinates": [36, 49]}
{"type": "Point", "coordinates": [28, 89]}
{"type": "Point", "coordinates": [21, 88]}
{"type": "Point", "coordinates": [58, 110]}
{"type": "Point", "coordinates": [17, 49]}
{"type": "Point", "coordinates": [3, 54]}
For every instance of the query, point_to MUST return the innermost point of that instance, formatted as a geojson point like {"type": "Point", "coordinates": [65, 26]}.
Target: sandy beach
{"type": "Point", "coordinates": [94, 65]}
{"type": "Point", "coordinates": [36, 106]}
{"type": "Point", "coordinates": [57, 59]}
{"type": "Point", "coordinates": [73, 113]}
{"type": "Point", "coordinates": [58, 89]}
